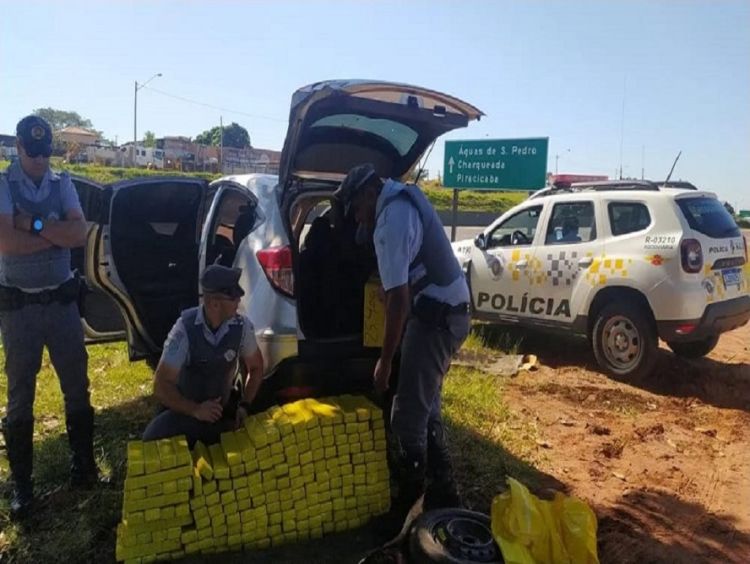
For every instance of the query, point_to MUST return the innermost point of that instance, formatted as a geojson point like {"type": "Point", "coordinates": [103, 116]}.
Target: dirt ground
{"type": "Point", "coordinates": [665, 462]}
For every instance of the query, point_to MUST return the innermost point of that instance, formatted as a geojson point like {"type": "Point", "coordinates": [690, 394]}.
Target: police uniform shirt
{"type": "Point", "coordinates": [177, 348]}
{"type": "Point", "coordinates": [398, 238]}
{"type": "Point", "coordinates": [29, 190]}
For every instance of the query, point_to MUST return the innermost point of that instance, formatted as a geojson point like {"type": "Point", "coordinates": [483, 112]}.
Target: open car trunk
{"type": "Point", "coordinates": [331, 273]}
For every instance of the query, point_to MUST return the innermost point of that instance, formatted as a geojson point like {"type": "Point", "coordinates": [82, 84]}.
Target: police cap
{"type": "Point", "coordinates": [219, 279]}
{"type": "Point", "coordinates": [356, 179]}
{"type": "Point", "coordinates": [35, 135]}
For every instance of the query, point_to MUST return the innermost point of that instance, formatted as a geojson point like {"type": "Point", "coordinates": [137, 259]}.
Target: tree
{"type": "Point", "coordinates": [234, 136]}
{"type": "Point", "coordinates": [60, 119]}
{"type": "Point", "coordinates": [149, 139]}
{"type": "Point", "coordinates": [729, 208]}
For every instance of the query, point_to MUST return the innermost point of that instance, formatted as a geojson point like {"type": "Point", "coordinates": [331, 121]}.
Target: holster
{"type": "Point", "coordinates": [433, 312]}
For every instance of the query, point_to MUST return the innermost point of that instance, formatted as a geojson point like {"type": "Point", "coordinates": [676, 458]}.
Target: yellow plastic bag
{"type": "Point", "coordinates": [530, 530]}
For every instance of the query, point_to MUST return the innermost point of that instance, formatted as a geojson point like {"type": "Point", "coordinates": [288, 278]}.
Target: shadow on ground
{"type": "Point", "coordinates": [625, 532]}
{"type": "Point", "coordinates": [720, 384]}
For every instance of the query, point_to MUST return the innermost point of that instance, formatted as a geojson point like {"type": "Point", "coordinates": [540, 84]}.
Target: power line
{"type": "Point", "coordinates": [205, 105]}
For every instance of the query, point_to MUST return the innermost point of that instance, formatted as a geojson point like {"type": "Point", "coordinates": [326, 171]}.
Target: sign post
{"type": "Point", "coordinates": [494, 164]}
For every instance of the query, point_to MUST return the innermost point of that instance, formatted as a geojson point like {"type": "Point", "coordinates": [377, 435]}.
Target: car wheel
{"type": "Point", "coordinates": [624, 340]}
{"type": "Point", "coordinates": [453, 536]}
{"type": "Point", "coordinates": [694, 349]}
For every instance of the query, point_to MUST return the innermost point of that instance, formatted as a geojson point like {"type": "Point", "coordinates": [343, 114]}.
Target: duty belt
{"type": "Point", "coordinates": [15, 298]}
{"type": "Point", "coordinates": [434, 312]}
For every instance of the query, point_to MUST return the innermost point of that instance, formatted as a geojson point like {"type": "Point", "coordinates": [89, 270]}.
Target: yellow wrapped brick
{"type": "Point", "coordinates": [219, 462]}
{"type": "Point", "coordinates": [167, 456]}
{"type": "Point", "coordinates": [136, 455]}
{"type": "Point", "coordinates": [231, 448]}
{"type": "Point", "coordinates": [245, 444]}
{"type": "Point", "coordinates": [151, 457]}
{"type": "Point", "coordinates": [202, 460]}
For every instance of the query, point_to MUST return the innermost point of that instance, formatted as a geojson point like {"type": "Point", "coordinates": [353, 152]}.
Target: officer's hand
{"type": "Point", "coordinates": [22, 220]}
{"type": "Point", "coordinates": [240, 417]}
{"type": "Point", "coordinates": [382, 376]}
{"type": "Point", "coordinates": [209, 411]}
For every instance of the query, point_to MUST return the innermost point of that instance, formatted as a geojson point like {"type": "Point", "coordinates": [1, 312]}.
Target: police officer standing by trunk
{"type": "Point", "coordinates": [427, 312]}
{"type": "Point", "coordinates": [40, 221]}
{"type": "Point", "coordinates": [194, 380]}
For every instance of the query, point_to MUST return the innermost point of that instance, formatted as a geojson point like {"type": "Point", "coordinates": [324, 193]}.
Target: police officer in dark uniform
{"type": "Point", "coordinates": [427, 313]}
{"type": "Point", "coordinates": [40, 221]}
{"type": "Point", "coordinates": [196, 373]}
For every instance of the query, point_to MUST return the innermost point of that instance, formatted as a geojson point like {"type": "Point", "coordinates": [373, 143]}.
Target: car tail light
{"type": "Point", "coordinates": [685, 329]}
{"type": "Point", "coordinates": [692, 255]}
{"type": "Point", "coordinates": [277, 264]}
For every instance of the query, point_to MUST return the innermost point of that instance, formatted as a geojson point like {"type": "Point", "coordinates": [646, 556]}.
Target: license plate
{"type": "Point", "coordinates": [732, 277]}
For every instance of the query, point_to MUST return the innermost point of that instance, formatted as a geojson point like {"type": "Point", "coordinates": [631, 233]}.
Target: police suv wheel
{"type": "Point", "coordinates": [453, 536]}
{"type": "Point", "coordinates": [694, 349]}
{"type": "Point", "coordinates": [624, 340]}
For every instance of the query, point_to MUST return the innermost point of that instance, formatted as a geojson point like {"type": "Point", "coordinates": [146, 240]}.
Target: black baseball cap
{"type": "Point", "coordinates": [35, 135]}
{"type": "Point", "coordinates": [356, 179]}
{"type": "Point", "coordinates": [219, 279]}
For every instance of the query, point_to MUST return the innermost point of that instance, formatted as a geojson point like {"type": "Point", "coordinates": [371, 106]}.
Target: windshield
{"type": "Point", "coordinates": [708, 216]}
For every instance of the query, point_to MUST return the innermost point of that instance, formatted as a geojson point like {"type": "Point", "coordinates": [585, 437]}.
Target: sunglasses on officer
{"type": "Point", "coordinates": [38, 150]}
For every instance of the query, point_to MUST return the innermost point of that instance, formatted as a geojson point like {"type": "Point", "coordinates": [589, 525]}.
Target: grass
{"type": "Point", "coordinates": [441, 198]}
{"type": "Point", "coordinates": [487, 442]}
{"type": "Point", "coordinates": [77, 527]}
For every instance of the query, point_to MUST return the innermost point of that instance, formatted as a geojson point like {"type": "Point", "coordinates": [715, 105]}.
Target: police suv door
{"type": "Point", "coordinates": [502, 269]}
{"type": "Point", "coordinates": [100, 315]}
{"type": "Point", "coordinates": [145, 254]}
{"type": "Point", "coordinates": [568, 245]}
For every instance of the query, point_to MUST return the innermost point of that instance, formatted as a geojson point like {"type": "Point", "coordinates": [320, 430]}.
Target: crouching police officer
{"type": "Point", "coordinates": [195, 375]}
{"type": "Point", "coordinates": [427, 312]}
{"type": "Point", "coordinates": [40, 221]}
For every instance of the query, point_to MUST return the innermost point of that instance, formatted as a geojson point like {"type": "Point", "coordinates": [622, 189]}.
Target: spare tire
{"type": "Point", "coordinates": [453, 536]}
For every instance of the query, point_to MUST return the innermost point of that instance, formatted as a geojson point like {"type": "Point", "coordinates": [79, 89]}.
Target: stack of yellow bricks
{"type": "Point", "coordinates": [292, 473]}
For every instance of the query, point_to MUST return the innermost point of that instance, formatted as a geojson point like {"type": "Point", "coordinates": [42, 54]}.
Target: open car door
{"type": "Point", "coordinates": [144, 254]}
{"type": "Point", "coordinates": [100, 316]}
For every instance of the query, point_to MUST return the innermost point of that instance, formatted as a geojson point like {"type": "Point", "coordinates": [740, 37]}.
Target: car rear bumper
{"type": "Point", "coordinates": [718, 317]}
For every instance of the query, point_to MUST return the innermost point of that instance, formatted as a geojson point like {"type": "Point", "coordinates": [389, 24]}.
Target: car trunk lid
{"type": "Point", "coordinates": [335, 125]}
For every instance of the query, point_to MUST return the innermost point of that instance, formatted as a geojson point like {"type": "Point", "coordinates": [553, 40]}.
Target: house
{"type": "Point", "coordinates": [77, 135]}
{"type": "Point", "coordinates": [8, 147]}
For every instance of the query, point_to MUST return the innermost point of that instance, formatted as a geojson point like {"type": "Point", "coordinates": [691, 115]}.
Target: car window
{"type": "Point", "coordinates": [516, 231]}
{"type": "Point", "coordinates": [571, 222]}
{"type": "Point", "coordinates": [708, 216]}
{"type": "Point", "coordinates": [397, 134]}
{"type": "Point", "coordinates": [628, 217]}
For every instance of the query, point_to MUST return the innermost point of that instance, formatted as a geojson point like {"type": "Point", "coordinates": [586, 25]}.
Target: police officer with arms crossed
{"type": "Point", "coordinates": [427, 312]}
{"type": "Point", "coordinates": [197, 369]}
{"type": "Point", "coordinates": [40, 221]}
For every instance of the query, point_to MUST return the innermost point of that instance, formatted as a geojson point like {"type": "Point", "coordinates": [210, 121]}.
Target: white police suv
{"type": "Point", "coordinates": [623, 262]}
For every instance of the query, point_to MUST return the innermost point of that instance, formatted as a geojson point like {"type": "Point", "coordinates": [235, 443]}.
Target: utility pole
{"type": "Point", "coordinates": [221, 144]}
{"type": "Point", "coordinates": [136, 88]}
{"type": "Point", "coordinates": [643, 160]}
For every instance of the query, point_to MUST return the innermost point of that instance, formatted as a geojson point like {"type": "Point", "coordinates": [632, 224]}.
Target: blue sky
{"type": "Point", "coordinates": [548, 69]}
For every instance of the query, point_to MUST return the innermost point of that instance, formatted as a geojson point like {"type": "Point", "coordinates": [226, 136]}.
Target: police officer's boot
{"type": "Point", "coordinates": [83, 470]}
{"type": "Point", "coordinates": [442, 490]}
{"type": "Point", "coordinates": [19, 442]}
{"type": "Point", "coordinates": [409, 472]}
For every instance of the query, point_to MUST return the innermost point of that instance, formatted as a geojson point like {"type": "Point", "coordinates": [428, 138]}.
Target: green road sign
{"type": "Point", "coordinates": [496, 164]}
{"type": "Point", "coordinates": [745, 214]}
